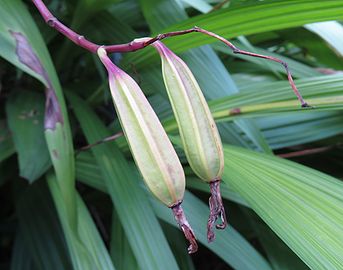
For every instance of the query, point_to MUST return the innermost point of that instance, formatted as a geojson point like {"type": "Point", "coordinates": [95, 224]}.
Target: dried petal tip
{"type": "Point", "coordinates": [185, 227]}
{"type": "Point", "coordinates": [216, 209]}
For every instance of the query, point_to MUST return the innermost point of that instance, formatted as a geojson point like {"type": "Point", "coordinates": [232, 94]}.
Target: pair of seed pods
{"type": "Point", "coordinates": [151, 148]}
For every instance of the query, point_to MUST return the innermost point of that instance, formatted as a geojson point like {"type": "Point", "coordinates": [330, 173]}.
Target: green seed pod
{"type": "Point", "coordinates": [149, 144]}
{"type": "Point", "coordinates": [198, 131]}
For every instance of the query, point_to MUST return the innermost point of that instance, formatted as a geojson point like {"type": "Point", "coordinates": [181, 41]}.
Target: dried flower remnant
{"type": "Point", "coordinates": [149, 144]}
{"type": "Point", "coordinates": [198, 131]}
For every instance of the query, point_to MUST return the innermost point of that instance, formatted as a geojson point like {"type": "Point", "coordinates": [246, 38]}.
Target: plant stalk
{"type": "Point", "coordinates": [138, 44]}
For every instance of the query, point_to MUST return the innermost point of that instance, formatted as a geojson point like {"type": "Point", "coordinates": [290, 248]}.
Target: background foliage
{"type": "Point", "coordinates": [90, 210]}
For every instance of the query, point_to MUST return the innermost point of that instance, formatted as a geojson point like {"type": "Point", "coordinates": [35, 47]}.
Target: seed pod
{"type": "Point", "coordinates": [198, 131]}
{"type": "Point", "coordinates": [149, 144]}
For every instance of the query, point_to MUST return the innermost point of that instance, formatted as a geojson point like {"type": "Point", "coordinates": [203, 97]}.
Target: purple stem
{"type": "Point", "coordinates": [140, 44]}
{"type": "Point", "coordinates": [64, 30]}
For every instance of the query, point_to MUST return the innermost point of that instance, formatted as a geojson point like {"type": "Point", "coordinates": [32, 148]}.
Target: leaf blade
{"type": "Point", "coordinates": [25, 112]}
{"type": "Point", "coordinates": [300, 204]}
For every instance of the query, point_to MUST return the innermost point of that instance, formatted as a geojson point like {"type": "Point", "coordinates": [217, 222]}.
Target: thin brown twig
{"type": "Point", "coordinates": [107, 139]}
{"type": "Point", "coordinates": [299, 153]}
{"type": "Point", "coordinates": [307, 152]}
{"type": "Point", "coordinates": [219, 5]}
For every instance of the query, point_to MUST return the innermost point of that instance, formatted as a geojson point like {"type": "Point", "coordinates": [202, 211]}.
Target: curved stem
{"type": "Point", "coordinates": [138, 44]}
{"type": "Point", "coordinates": [64, 30]}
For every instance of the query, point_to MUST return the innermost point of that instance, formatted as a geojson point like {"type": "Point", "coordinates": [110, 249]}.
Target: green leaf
{"type": "Point", "coordinates": [289, 129]}
{"type": "Point", "coordinates": [298, 128]}
{"type": "Point", "coordinates": [121, 251]}
{"type": "Point", "coordinates": [331, 32]}
{"type": "Point", "coordinates": [91, 238]}
{"type": "Point", "coordinates": [248, 19]}
{"type": "Point", "coordinates": [141, 226]}
{"type": "Point", "coordinates": [21, 259]}
{"type": "Point", "coordinates": [323, 92]}
{"type": "Point", "coordinates": [254, 133]}
{"type": "Point", "coordinates": [6, 144]}
{"type": "Point", "coordinates": [128, 11]}
{"type": "Point", "coordinates": [278, 253]}
{"type": "Point", "coordinates": [316, 48]}
{"type": "Point", "coordinates": [199, 5]}
{"type": "Point", "coordinates": [86, 248]}
{"type": "Point", "coordinates": [22, 45]}
{"type": "Point", "coordinates": [319, 87]}
{"type": "Point", "coordinates": [177, 243]}
{"type": "Point", "coordinates": [25, 114]}
{"type": "Point", "coordinates": [85, 9]}
{"type": "Point", "coordinates": [301, 205]}
{"type": "Point", "coordinates": [84, 166]}
{"type": "Point", "coordinates": [258, 110]}
{"type": "Point", "coordinates": [40, 229]}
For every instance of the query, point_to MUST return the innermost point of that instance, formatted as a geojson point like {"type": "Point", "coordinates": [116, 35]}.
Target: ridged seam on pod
{"type": "Point", "coordinates": [149, 144]}
{"type": "Point", "coordinates": [198, 131]}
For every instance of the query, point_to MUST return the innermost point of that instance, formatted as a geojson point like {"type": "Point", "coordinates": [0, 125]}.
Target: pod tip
{"type": "Point", "coordinates": [216, 210]}
{"type": "Point", "coordinates": [185, 227]}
